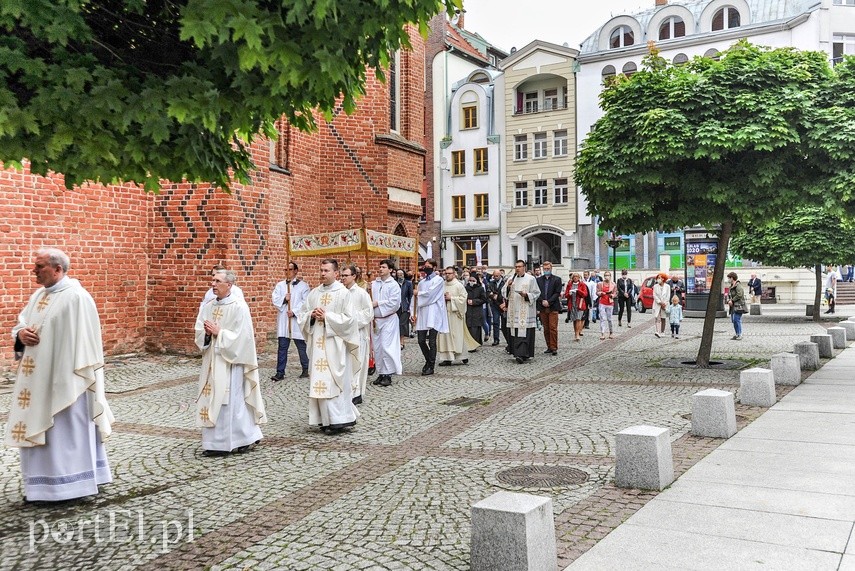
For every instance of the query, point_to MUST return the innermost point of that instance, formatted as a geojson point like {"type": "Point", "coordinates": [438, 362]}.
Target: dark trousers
{"type": "Point", "coordinates": [499, 320]}
{"type": "Point", "coordinates": [626, 301]}
{"type": "Point", "coordinates": [488, 319]}
{"type": "Point", "coordinates": [427, 343]}
{"type": "Point", "coordinates": [522, 341]}
{"type": "Point", "coordinates": [282, 354]}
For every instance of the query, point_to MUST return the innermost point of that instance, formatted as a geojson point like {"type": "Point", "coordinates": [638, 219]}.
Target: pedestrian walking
{"type": "Point", "coordinates": [736, 301]}
{"type": "Point", "coordinates": [606, 295]}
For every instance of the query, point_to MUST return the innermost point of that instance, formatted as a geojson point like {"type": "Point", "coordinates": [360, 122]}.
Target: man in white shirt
{"type": "Point", "coordinates": [385, 335]}
{"type": "Point", "coordinates": [430, 316]}
{"type": "Point", "coordinates": [288, 297]}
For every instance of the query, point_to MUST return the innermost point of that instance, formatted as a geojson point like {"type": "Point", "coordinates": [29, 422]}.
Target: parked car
{"type": "Point", "coordinates": [645, 295]}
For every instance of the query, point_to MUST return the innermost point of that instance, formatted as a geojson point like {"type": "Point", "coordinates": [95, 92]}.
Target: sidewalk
{"type": "Point", "coordinates": [780, 494]}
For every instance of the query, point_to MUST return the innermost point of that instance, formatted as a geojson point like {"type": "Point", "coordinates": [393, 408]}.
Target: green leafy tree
{"type": "Point", "coordinates": [715, 143]}
{"type": "Point", "coordinates": [143, 90]}
{"type": "Point", "coordinates": [806, 237]}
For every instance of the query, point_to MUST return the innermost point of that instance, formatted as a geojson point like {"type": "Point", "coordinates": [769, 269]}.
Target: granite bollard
{"type": "Point", "coordinates": [838, 337]}
{"type": "Point", "coordinates": [643, 458]}
{"type": "Point", "coordinates": [713, 414]}
{"type": "Point", "coordinates": [787, 368]}
{"type": "Point", "coordinates": [755, 309]}
{"type": "Point", "coordinates": [849, 326]}
{"type": "Point", "coordinates": [823, 343]}
{"type": "Point", "coordinates": [808, 353]}
{"type": "Point", "coordinates": [513, 532]}
{"type": "Point", "coordinates": [757, 387]}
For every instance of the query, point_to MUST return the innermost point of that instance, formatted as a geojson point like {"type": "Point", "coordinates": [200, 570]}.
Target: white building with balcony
{"type": "Point", "coordinates": [470, 165]}
{"type": "Point", "coordinates": [683, 30]}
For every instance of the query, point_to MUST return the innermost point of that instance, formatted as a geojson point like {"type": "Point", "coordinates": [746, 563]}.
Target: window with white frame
{"type": "Point", "coordinates": [672, 27]}
{"type": "Point", "coordinates": [521, 194]}
{"type": "Point", "coordinates": [621, 37]}
{"type": "Point", "coordinates": [539, 146]}
{"type": "Point", "coordinates": [842, 45]}
{"type": "Point", "coordinates": [559, 143]}
{"type": "Point", "coordinates": [531, 102]}
{"type": "Point", "coordinates": [844, 2]}
{"type": "Point", "coordinates": [725, 19]}
{"type": "Point", "coordinates": [520, 147]}
{"type": "Point", "coordinates": [629, 68]}
{"type": "Point", "coordinates": [540, 195]}
{"type": "Point", "coordinates": [550, 99]}
{"type": "Point", "coordinates": [562, 191]}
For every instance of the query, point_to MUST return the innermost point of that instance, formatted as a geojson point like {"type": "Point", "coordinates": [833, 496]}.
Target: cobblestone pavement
{"type": "Point", "coordinates": [396, 492]}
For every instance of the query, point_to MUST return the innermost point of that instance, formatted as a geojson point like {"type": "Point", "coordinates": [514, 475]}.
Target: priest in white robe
{"type": "Point", "coordinates": [521, 294]}
{"type": "Point", "coordinates": [364, 314]}
{"type": "Point", "coordinates": [59, 415]}
{"type": "Point", "coordinates": [288, 297]}
{"type": "Point", "coordinates": [330, 328]}
{"type": "Point", "coordinates": [385, 335]}
{"type": "Point", "coordinates": [210, 294]}
{"type": "Point", "coordinates": [229, 406]}
{"type": "Point", "coordinates": [430, 316]}
{"type": "Point", "coordinates": [452, 345]}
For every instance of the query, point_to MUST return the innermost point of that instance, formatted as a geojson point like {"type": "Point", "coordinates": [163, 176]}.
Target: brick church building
{"type": "Point", "coordinates": [146, 259]}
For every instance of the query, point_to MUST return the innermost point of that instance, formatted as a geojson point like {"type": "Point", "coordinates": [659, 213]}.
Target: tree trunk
{"type": "Point", "coordinates": [817, 298]}
{"type": "Point", "coordinates": [702, 361]}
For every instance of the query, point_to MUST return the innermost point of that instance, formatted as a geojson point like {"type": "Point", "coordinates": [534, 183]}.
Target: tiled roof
{"type": "Point", "coordinates": [454, 38]}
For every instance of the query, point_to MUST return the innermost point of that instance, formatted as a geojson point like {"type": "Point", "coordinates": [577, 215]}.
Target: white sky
{"type": "Point", "coordinates": [515, 23]}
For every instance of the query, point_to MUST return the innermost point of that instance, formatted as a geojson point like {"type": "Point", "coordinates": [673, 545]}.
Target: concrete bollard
{"type": "Point", "coordinates": [838, 337]}
{"type": "Point", "coordinates": [823, 343]}
{"type": "Point", "coordinates": [713, 414]}
{"type": "Point", "coordinates": [643, 458]}
{"type": "Point", "coordinates": [808, 355]}
{"type": "Point", "coordinates": [849, 326]}
{"type": "Point", "coordinates": [757, 387]}
{"type": "Point", "coordinates": [755, 309]}
{"type": "Point", "coordinates": [787, 369]}
{"type": "Point", "coordinates": [513, 532]}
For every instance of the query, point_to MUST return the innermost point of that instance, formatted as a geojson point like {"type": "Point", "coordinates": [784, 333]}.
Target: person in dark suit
{"type": "Point", "coordinates": [755, 286]}
{"type": "Point", "coordinates": [549, 306]}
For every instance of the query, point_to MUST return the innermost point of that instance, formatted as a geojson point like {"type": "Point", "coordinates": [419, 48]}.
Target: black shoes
{"type": "Point", "coordinates": [495, 343]}
{"type": "Point", "coordinates": [427, 371]}
{"type": "Point", "coordinates": [371, 370]}
{"type": "Point", "coordinates": [466, 361]}
{"type": "Point", "coordinates": [445, 363]}
{"type": "Point", "coordinates": [212, 453]}
{"type": "Point", "coordinates": [547, 352]}
{"type": "Point", "coordinates": [304, 374]}
{"type": "Point", "coordinates": [277, 377]}
{"type": "Point", "coordinates": [385, 380]}
{"type": "Point", "coordinates": [357, 400]}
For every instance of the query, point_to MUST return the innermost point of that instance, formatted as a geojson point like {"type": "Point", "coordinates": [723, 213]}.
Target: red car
{"type": "Point", "coordinates": [645, 295]}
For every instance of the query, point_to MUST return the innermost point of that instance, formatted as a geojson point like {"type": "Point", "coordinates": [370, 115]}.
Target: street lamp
{"type": "Point", "coordinates": [614, 243]}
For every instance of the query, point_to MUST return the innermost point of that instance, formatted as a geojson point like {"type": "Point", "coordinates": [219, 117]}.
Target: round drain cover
{"type": "Point", "coordinates": [542, 476]}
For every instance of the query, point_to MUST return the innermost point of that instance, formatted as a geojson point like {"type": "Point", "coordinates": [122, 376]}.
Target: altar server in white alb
{"type": "Point", "coordinates": [385, 335]}
{"type": "Point", "coordinates": [229, 406]}
{"type": "Point", "coordinates": [364, 314]}
{"type": "Point", "coordinates": [330, 328]}
{"type": "Point", "coordinates": [59, 415]}
{"type": "Point", "coordinates": [452, 345]}
{"type": "Point", "coordinates": [522, 293]}
{"type": "Point", "coordinates": [288, 297]}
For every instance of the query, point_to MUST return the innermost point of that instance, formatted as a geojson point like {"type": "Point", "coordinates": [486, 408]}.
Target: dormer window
{"type": "Point", "coordinates": [673, 27]}
{"type": "Point", "coordinates": [725, 19]}
{"type": "Point", "coordinates": [621, 37]}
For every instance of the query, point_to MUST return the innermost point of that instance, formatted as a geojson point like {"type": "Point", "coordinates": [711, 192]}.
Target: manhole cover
{"type": "Point", "coordinates": [542, 476]}
{"type": "Point", "coordinates": [463, 401]}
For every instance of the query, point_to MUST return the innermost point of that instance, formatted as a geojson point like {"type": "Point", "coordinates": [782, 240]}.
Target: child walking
{"type": "Point", "coordinates": [675, 316]}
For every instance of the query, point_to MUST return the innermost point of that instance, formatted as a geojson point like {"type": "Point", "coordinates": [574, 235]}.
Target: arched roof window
{"type": "Point", "coordinates": [673, 27]}
{"type": "Point", "coordinates": [725, 19]}
{"type": "Point", "coordinates": [621, 37]}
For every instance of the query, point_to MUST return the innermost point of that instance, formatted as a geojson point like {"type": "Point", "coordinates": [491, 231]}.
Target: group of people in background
{"type": "Point", "coordinates": [345, 329]}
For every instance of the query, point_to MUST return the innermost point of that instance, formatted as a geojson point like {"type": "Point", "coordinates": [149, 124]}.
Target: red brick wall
{"type": "Point", "coordinates": [146, 259]}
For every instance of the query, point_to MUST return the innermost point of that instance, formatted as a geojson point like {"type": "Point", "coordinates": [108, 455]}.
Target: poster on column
{"type": "Point", "coordinates": [700, 265]}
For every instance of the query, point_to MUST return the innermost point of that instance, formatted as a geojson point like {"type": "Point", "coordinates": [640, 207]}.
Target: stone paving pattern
{"type": "Point", "coordinates": [396, 492]}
